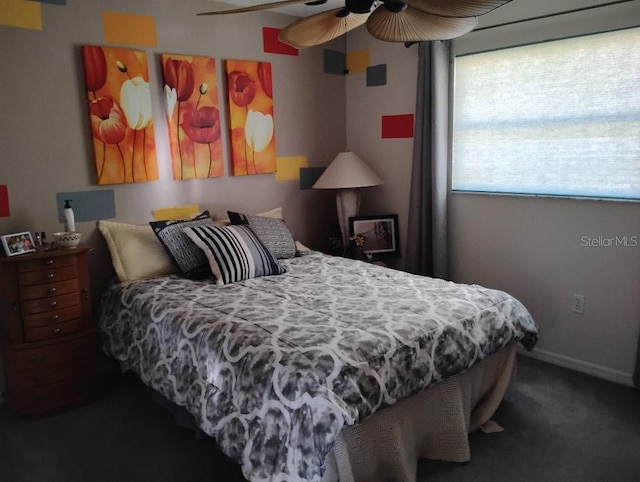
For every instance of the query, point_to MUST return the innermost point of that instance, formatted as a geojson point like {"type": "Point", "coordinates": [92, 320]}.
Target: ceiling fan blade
{"type": "Point", "coordinates": [255, 8]}
{"type": "Point", "coordinates": [320, 28]}
{"type": "Point", "coordinates": [413, 25]}
{"type": "Point", "coordinates": [457, 8]}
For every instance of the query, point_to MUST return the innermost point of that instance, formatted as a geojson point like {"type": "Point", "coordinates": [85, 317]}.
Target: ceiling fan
{"type": "Point", "coordinates": [388, 20]}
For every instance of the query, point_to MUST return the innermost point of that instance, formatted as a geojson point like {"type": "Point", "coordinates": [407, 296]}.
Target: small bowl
{"type": "Point", "coordinates": [67, 239]}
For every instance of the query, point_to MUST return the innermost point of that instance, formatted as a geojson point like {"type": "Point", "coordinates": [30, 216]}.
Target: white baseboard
{"type": "Point", "coordinates": [592, 369]}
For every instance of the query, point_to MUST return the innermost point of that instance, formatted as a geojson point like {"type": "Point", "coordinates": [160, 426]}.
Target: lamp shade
{"type": "Point", "coordinates": [345, 172]}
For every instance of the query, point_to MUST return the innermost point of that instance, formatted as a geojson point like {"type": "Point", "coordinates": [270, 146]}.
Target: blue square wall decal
{"type": "Point", "coordinates": [377, 75]}
{"type": "Point", "coordinates": [335, 62]}
{"type": "Point", "coordinates": [88, 205]}
{"type": "Point", "coordinates": [309, 176]}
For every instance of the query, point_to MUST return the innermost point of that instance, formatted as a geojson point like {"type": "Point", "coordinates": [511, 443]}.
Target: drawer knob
{"type": "Point", "coordinates": [53, 290]}
{"type": "Point", "coordinates": [55, 317]}
{"type": "Point", "coordinates": [50, 276]}
{"type": "Point", "coordinates": [48, 262]}
{"type": "Point", "coordinates": [53, 303]}
{"type": "Point", "coordinates": [57, 331]}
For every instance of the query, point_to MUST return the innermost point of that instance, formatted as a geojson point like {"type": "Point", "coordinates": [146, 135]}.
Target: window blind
{"type": "Point", "coordinates": [558, 118]}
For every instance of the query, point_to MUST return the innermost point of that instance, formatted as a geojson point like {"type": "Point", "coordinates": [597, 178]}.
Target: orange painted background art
{"type": "Point", "coordinates": [251, 123]}
{"type": "Point", "coordinates": [193, 116]}
{"type": "Point", "coordinates": [117, 82]}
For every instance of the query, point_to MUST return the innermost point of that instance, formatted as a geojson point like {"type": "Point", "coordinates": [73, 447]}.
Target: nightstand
{"type": "Point", "coordinates": [47, 334]}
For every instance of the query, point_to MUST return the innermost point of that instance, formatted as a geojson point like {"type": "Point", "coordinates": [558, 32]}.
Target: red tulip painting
{"type": "Point", "coordinates": [119, 99]}
{"type": "Point", "coordinates": [193, 116]}
{"type": "Point", "coordinates": [251, 124]}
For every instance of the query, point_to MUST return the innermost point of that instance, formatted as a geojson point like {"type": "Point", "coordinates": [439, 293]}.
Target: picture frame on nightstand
{"type": "Point", "coordinates": [377, 235]}
{"type": "Point", "coordinates": [18, 243]}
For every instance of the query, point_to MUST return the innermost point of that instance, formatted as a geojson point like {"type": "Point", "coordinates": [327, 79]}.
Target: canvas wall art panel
{"type": "Point", "coordinates": [193, 116]}
{"type": "Point", "coordinates": [119, 100]}
{"type": "Point", "coordinates": [251, 123]}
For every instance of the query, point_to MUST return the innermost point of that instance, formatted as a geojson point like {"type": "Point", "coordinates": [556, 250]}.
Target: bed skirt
{"type": "Point", "coordinates": [433, 424]}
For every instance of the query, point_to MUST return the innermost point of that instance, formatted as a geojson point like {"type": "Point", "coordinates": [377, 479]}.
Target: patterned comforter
{"type": "Point", "coordinates": [275, 367]}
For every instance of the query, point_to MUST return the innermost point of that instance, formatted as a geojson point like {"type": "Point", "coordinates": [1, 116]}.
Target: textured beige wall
{"type": "Point", "coordinates": [45, 139]}
{"type": "Point", "coordinates": [530, 247]}
{"type": "Point", "coordinates": [538, 250]}
{"type": "Point", "coordinates": [391, 159]}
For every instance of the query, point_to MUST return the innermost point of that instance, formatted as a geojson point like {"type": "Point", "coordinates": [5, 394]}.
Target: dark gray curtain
{"type": "Point", "coordinates": [427, 228]}
{"type": "Point", "coordinates": [636, 373]}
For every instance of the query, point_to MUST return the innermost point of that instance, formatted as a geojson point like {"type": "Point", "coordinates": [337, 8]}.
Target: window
{"type": "Point", "coordinates": [558, 118]}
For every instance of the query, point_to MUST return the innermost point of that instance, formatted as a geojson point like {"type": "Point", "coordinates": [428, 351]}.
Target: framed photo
{"type": "Point", "coordinates": [18, 243]}
{"type": "Point", "coordinates": [378, 235]}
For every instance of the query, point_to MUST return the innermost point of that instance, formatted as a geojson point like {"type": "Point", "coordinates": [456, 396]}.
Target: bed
{"type": "Point", "coordinates": [326, 368]}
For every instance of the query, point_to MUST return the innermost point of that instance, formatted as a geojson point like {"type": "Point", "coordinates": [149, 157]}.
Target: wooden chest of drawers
{"type": "Point", "coordinates": [48, 338]}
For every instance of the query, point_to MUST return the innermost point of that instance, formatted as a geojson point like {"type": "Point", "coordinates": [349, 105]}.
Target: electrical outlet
{"type": "Point", "coordinates": [578, 304]}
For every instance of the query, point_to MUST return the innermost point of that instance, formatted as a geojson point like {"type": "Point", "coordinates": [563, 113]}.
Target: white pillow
{"type": "Point", "coordinates": [136, 252]}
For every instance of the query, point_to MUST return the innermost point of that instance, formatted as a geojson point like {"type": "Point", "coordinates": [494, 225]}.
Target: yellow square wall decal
{"type": "Point", "coordinates": [358, 61]}
{"type": "Point", "coordinates": [288, 168]}
{"type": "Point", "coordinates": [20, 13]}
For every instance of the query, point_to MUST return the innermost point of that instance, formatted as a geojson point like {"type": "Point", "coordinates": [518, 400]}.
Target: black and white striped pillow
{"type": "Point", "coordinates": [234, 252]}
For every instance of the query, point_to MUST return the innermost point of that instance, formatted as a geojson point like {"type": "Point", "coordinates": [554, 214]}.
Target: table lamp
{"type": "Point", "coordinates": [347, 173]}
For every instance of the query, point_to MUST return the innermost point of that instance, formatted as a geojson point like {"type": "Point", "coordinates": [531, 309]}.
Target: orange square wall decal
{"type": "Point", "coordinates": [193, 116]}
{"type": "Point", "coordinates": [251, 122]}
{"type": "Point", "coordinates": [126, 28]}
{"type": "Point", "coordinates": [119, 102]}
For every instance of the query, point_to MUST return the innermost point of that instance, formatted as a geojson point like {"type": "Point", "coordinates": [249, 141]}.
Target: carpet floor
{"type": "Point", "coordinates": [559, 426]}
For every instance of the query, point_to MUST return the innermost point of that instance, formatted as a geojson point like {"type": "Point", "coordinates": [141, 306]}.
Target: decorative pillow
{"type": "Point", "coordinates": [234, 252]}
{"type": "Point", "coordinates": [273, 233]}
{"type": "Point", "coordinates": [189, 259]}
{"type": "Point", "coordinates": [275, 213]}
{"type": "Point", "coordinates": [136, 253]}
{"type": "Point", "coordinates": [301, 248]}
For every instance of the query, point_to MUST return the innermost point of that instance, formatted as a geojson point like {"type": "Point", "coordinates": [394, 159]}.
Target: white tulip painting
{"type": "Point", "coordinates": [251, 121]}
{"type": "Point", "coordinates": [119, 102]}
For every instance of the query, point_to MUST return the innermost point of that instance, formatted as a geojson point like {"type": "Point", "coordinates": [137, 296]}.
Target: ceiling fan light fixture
{"type": "Point", "coordinates": [395, 6]}
{"type": "Point", "coordinates": [457, 8]}
{"type": "Point", "coordinates": [320, 28]}
{"type": "Point", "coordinates": [256, 8]}
{"type": "Point", "coordinates": [360, 6]}
{"type": "Point", "coordinates": [407, 21]}
{"type": "Point", "coordinates": [413, 25]}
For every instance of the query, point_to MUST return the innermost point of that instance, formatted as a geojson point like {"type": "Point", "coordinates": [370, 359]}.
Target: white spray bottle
{"type": "Point", "coordinates": [69, 218]}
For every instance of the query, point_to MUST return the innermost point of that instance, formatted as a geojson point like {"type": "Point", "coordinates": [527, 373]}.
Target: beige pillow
{"type": "Point", "coordinates": [275, 213]}
{"type": "Point", "coordinates": [301, 247]}
{"type": "Point", "coordinates": [136, 252]}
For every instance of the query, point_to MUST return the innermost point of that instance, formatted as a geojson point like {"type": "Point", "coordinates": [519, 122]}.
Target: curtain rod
{"type": "Point", "coordinates": [550, 15]}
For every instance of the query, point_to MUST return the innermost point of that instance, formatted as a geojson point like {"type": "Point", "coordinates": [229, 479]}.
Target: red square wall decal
{"type": "Point", "coordinates": [4, 202]}
{"type": "Point", "coordinates": [272, 45]}
{"type": "Point", "coordinates": [397, 126]}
